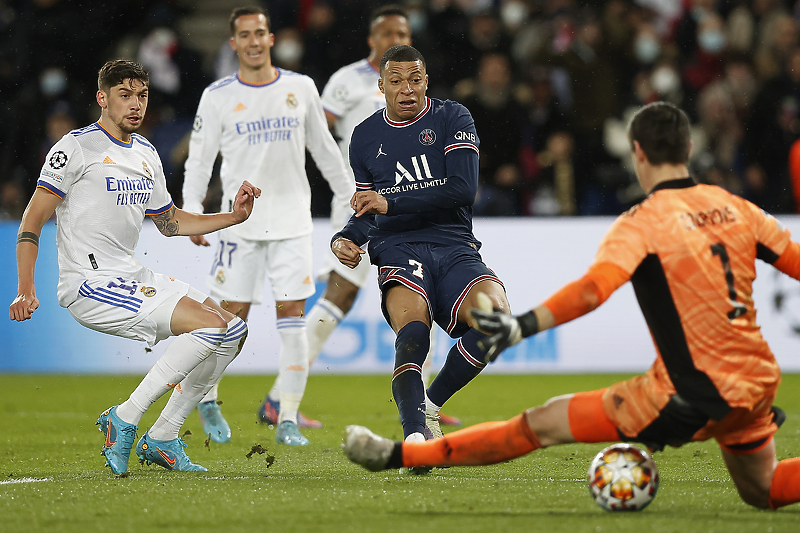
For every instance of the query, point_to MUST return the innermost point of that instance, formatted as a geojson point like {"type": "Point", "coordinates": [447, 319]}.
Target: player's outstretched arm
{"type": "Point", "coordinates": [570, 302]}
{"type": "Point", "coordinates": [179, 222]}
{"type": "Point", "coordinates": [39, 211]}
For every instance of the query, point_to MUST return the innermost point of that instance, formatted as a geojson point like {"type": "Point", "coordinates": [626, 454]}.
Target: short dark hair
{"type": "Point", "coordinates": [386, 11]}
{"type": "Point", "coordinates": [662, 130]}
{"type": "Point", "coordinates": [247, 10]}
{"type": "Point", "coordinates": [116, 71]}
{"type": "Point", "coordinates": [402, 53]}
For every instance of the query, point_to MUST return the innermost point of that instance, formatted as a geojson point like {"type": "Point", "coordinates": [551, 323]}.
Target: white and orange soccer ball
{"type": "Point", "coordinates": [623, 478]}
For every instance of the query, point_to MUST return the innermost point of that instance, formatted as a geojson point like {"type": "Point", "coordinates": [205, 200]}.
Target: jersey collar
{"type": "Point", "coordinates": [407, 122]}
{"type": "Point", "coordinates": [114, 139]}
{"type": "Point", "coordinates": [265, 84]}
{"type": "Point", "coordinates": [679, 183]}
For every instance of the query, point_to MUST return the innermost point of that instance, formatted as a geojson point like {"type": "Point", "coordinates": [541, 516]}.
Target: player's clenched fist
{"type": "Point", "coordinates": [23, 306]}
{"type": "Point", "coordinates": [369, 202]}
{"type": "Point", "coordinates": [347, 252]}
{"type": "Point", "coordinates": [243, 204]}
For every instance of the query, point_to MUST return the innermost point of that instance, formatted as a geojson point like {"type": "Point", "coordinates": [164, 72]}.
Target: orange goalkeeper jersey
{"type": "Point", "coordinates": [690, 251]}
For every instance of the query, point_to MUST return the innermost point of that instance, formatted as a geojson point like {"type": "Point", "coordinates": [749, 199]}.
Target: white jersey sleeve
{"type": "Point", "coordinates": [63, 166]}
{"type": "Point", "coordinates": [326, 154]}
{"type": "Point", "coordinates": [203, 149]}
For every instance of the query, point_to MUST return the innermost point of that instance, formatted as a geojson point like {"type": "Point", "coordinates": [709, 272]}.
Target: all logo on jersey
{"type": "Point", "coordinates": [380, 152]}
{"type": "Point", "coordinates": [198, 123]}
{"type": "Point", "coordinates": [148, 291]}
{"type": "Point", "coordinates": [291, 100]}
{"type": "Point", "coordinates": [427, 137]}
{"type": "Point", "coordinates": [147, 170]}
{"type": "Point", "coordinates": [402, 174]}
{"type": "Point", "coordinates": [58, 160]}
{"type": "Point", "coordinates": [240, 107]}
{"type": "Point", "coordinates": [108, 161]}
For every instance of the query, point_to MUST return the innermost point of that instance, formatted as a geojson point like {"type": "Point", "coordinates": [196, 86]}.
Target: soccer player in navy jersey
{"type": "Point", "coordinates": [416, 169]}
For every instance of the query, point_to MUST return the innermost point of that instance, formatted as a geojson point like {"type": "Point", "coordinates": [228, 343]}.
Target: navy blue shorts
{"type": "Point", "coordinates": [442, 274]}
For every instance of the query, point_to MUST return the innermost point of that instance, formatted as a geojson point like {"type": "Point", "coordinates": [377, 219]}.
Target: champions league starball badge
{"type": "Point", "coordinates": [58, 160]}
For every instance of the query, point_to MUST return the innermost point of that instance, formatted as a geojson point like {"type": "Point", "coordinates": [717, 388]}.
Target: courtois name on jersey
{"type": "Point", "coordinates": [426, 167]}
{"type": "Point", "coordinates": [107, 187]}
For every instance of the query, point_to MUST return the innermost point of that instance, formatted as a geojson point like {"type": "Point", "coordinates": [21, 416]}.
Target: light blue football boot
{"type": "Point", "coordinates": [166, 453]}
{"type": "Point", "coordinates": [119, 440]}
{"type": "Point", "coordinates": [289, 433]}
{"type": "Point", "coordinates": [214, 424]}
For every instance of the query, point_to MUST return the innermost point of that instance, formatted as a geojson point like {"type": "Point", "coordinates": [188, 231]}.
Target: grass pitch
{"type": "Point", "coordinates": [47, 433]}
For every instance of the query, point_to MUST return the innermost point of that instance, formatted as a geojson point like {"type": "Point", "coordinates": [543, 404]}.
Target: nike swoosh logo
{"type": "Point", "coordinates": [167, 458]}
{"type": "Point", "coordinates": [109, 442]}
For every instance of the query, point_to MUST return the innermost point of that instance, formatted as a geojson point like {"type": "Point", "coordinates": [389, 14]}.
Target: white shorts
{"type": "Point", "coordinates": [240, 265]}
{"type": "Point", "coordinates": [138, 309]}
{"type": "Point", "coordinates": [357, 276]}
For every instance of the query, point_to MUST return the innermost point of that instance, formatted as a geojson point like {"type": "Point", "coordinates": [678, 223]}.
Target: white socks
{"type": "Point", "coordinates": [293, 372]}
{"type": "Point", "coordinates": [205, 376]}
{"type": "Point", "coordinates": [321, 321]}
{"type": "Point", "coordinates": [185, 353]}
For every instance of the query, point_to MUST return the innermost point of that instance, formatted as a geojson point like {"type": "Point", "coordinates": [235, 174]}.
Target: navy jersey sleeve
{"type": "Point", "coordinates": [461, 168]}
{"type": "Point", "coordinates": [357, 228]}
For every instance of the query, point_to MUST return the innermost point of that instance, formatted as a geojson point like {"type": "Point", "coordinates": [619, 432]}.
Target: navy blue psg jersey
{"type": "Point", "coordinates": [426, 168]}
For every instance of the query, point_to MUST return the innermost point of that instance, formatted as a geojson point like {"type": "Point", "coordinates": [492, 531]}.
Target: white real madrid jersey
{"type": "Point", "coordinates": [107, 187]}
{"type": "Point", "coordinates": [262, 132]}
{"type": "Point", "coordinates": [351, 95]}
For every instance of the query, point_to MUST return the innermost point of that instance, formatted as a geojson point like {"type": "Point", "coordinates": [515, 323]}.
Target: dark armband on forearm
{"type": "Point", "coordinates": [528, 324]}
{"type": "Point", "coordinates": [28, 236]}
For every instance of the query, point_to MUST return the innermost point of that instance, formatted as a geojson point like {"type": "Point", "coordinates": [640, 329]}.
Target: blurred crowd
{"type": "Point", "coordinates": [550, 84]}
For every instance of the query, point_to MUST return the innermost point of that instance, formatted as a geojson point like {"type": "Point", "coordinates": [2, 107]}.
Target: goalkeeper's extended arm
{"type": "Point", "coordinates": [570, 302]}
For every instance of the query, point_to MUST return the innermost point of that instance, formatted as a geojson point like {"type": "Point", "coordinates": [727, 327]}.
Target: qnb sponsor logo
{"type": "Point", "coordinates": [465, 136]}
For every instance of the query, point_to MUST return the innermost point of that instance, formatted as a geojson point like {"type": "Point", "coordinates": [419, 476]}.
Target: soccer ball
{"type": "Point", "coordinates": [623, 478]}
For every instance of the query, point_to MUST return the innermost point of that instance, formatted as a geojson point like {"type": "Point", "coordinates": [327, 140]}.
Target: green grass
{"type": "Point", "coordinates": [47, 431]}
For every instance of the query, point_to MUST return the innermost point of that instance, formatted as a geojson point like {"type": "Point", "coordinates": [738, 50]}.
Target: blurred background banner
{"type": "Point", "coordinates": [533, 257]}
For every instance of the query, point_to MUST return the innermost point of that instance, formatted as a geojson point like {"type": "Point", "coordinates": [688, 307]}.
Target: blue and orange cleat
{"type": "Point", "coordinates": [119, 439]}
{"type": "Point", "coordinates": [214, 424]}
{"type": "Point", "coordinates": [166, 453]}
{"type": "Point", "coordinates": [269, 410]}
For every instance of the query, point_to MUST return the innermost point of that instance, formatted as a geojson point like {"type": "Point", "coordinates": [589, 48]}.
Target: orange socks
{"type": "Point", "coordinates": [482, 444]}
{"type": "Point", "coordinates": [785, 487]}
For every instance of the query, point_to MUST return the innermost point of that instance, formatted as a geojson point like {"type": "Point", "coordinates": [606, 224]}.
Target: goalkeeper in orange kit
{"type": "Point", "coordinates": [689, 250]}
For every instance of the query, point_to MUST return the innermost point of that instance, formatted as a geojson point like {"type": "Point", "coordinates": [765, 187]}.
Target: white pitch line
{"type": "Point", "coordinates": [25, 480]}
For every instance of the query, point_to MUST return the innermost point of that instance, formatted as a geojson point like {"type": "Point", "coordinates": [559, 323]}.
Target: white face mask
{"type": "Point", "coordinates": [647, 49]}
{"type": "Point", "coordinates": [712, 41]}
{"type": "Point", "coordinates": [53, 81]}
{"type": "Point", "coordinates": [513, 14]}
{"type": "Point", "coordinates": [665, 80]}
{"type": "Point", "coordinates": [288, 51]}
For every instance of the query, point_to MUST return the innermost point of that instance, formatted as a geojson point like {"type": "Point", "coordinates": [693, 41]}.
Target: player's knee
{"type": "Point", "coordinates": [411, 345]}
{"type": "Point", "coordinates": [548, 423]}
{"type": "Point", "coordinates": [754, 495]}
{"type": "Point", "coordinates": [213, 319]}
